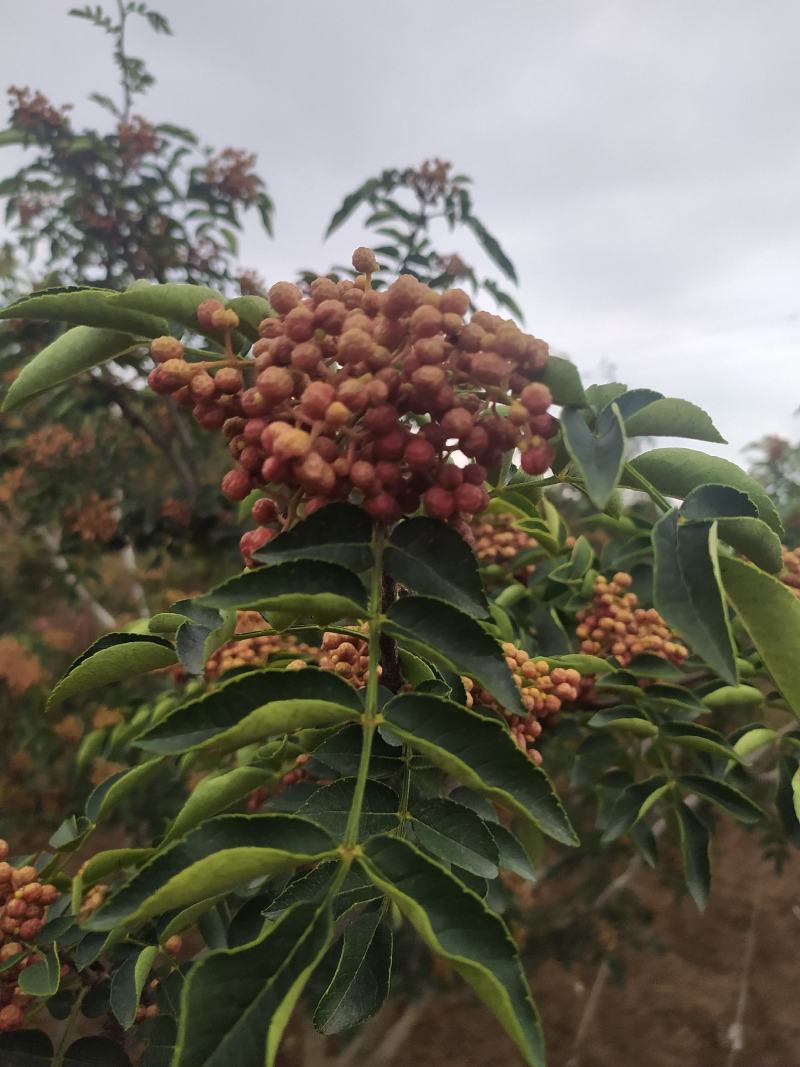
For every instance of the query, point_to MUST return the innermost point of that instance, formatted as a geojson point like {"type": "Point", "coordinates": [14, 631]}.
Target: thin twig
{"type": "Point", "coordinates": [103, 618]}
{"type": "Point", "coordinates": [736, 1029]}
{"type": "Point", "coordinates": [589, 1011]}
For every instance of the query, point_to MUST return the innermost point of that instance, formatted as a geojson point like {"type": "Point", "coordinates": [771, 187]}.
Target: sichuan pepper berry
{"type": "Point", "coordinates": [375, 397]}
{"type": "Point", "coordinates": [615, 625]}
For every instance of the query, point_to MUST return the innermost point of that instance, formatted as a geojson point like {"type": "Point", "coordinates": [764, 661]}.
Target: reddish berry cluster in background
{"type": "Point", "coordinates": [356, 394]}
{"type": "Point", "coordinates": [614, 625]}
{"type": "Point", "coordinates": [23, 911]}
{"type": "Point", "coordinates": [543, 690]}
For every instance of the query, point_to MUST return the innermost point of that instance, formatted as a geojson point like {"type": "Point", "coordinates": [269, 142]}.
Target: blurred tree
{"type": "Point", "coordinates": [776, 464]}
{"type": "Point", "coordinates": [405, 209]}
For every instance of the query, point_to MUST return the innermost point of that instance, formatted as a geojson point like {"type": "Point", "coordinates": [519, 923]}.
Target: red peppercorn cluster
{"type": "Point", "coordinates": [254, 651]}
{"type": "Point", "coordinates": [543, 689]}
{"type": "Point", "coordinates": [347, 657]}
{"type": "Point", "coordinates": [614, 625]}
{"type": "Point", "coordinates": [353, 393]}
{"type": "Point", "coordinates": [498, 540]}
{"type": "Point", "coordinates": [24, 901]}
{"type": "Point", "coordinates": [791, 569]}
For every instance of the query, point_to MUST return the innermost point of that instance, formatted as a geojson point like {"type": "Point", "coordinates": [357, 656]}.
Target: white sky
{"type": "Point", "coordinates": [638, 159]}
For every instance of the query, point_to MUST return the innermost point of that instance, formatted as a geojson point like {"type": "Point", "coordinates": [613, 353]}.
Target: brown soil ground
{"type": "Point", "coordinates": [675, 1008]}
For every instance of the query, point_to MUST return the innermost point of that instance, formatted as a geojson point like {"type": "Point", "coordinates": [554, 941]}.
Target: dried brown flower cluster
{"type": "Point", "coordinates": [19, 668]}
{"type": "Point", "coordinates": [614, 625]}
{"type": "Point", "coordinates": [94, 519]}
{"type": "Point", "coordinates": [231, 173]}
{"type": "Point", "coordinates": [366, 395]}
{"type": "Point", "coordinates": [34, 113]}
{"type": "Point", "coordinates": [137, 139]}
{"type": "Point", "coordinates": [23, 911]}
{"type": "Point", "coordinates": [543, 689]}
{"type": "Point", "coordinates": [55, 445]}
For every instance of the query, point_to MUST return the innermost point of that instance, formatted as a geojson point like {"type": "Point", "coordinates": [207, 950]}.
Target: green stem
{"type": "Point", "coordinates": [72, 1018]}
{"type": "Point", "coordinates": [405, 791]}
{"type": "Point", "coordinates": [646, 487]}
{"type": "Point", "coordinates": [371, 702]}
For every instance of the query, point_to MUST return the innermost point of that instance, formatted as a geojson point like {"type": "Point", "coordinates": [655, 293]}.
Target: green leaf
{"type": "Point", "coordinates": [439, 632]}
{"type": "Point", "coordinates": [313, 886]}
{"type": "Point", "coordinates": [223, 853]}
{"type": "Point", "coordinates": [85, 306]}
{"type": "Point", "coordinates": [350, 203]}
{"type": "Point", "coordinates": [632, 804]}
{"type": "Point", "coordinates": [95, 1052]}
{"type": "Point", "coordinates": [175, 301]}
{"type": "Point", "coordinates": [709, 502]}
{"type": "Point", "coordinates": [70, 354]}
{"type": "Point", "coordinates": [564, 382]}
{"type": "Point", "coordinates": [252, 707]}
{"type": "Point", "coordinates": [751, 738]}
{"type": "Point", "coordinates": [623, 717]}
{"type": "Point", "coordinates": [754, 539]}
{"type": "Point", "coordinates": [342, 753]}
{"type": "Point", "coordinates": [128, 983]}
{"type": "Point", "coordinates": [430, 558]}
{"type": "Point", "coordinates": [734, 696]}
{"type": "Point", "coordinates": [360, 983]}
{"type": "Point", "coordinates": [214, 795]}
{"type": "Point", "coordinates": [785, 798]}
{"type": "Point", "coordinates": [692, 735]}
{"type": "Point", "coordinates": [676, 471]}
{"type": "Point", "coordinates": [456, 924]}
{"type": "Point", "coordinates": [26, 1048]}
{"type": "Point", "coordinates": [491, 246]}
{"type": "Point", "coordinates": [479, 753]}
{"type": "Point", "coordinates": [202, 632]}
{"type": "Point", "coordinates": [600, 396]}
{"type": "Point", "coordinates": [330, 807]}
{"type": "Point", "coordinates": [116, 787]}
{"type": "Point", "coordinates": [582, 663]}
{"type": "Point", "coordinates": [338, 533]}
{"type": "Point", "coordinates": [694, 839]}
{"type": "Point", "coordinates": [308, 589]}
{"type": "Point", "coordinates": [725, 796]}
{"type": "Point", "coordinates": [262, 982]}
{"type": "Point", "coordinates": [512, 854]}
{"type": "Point", "coordinates": [42, 979]}
{"type": "Point", "coordinates": [770, 613]}
{"type": "Point", "coordinates": [687, 590]}
{"type": "Point", "coordinates": [251, 310]}
{"type": "Point", "coordinates": [600, 456]}
{"type": "Point", "coordinates": [457, 835]}
{"type": "Point", "coordinates": [188, 917]}
{"type": "Point", "coordinates": [104, 864]}
{"type": "Point", "coordinates": [796, 793]}
{"type": "Point", "coordinates": [111, 659]}
{"type": "Point", "coordinates": [670, 417]}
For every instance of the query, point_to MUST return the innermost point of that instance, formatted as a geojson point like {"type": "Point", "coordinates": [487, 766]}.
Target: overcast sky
{"type": "Point", "coordinates": [638, 159]}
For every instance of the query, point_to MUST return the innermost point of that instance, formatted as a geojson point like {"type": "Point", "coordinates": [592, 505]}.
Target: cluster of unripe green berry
{"type": "Point", "coordinates": [543, 690]}
{"type": "Point", "coordinates": [614, 625]}
{"type": "Point", "coordinates": [24, 901]}
{"type": "Point", "coordinates": [351, 393]}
